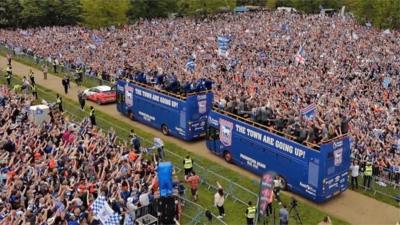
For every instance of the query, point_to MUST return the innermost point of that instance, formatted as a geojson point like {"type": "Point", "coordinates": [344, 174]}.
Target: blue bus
{"type": "Point", "coordinates": [184, 117]}
{"type": "Point", "coordinates": [317, 173]}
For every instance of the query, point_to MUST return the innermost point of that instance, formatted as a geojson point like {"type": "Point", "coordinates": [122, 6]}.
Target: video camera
{"type": "Point", "coordinates": [293, 203]}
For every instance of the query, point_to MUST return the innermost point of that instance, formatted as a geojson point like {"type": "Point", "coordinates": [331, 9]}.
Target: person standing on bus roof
{"type": "Point", "coordinates": [92, 116]}
{"type": "Point", "coordinates": [250, 213]}
{"type": "Point", "coordinates": [188, 165]}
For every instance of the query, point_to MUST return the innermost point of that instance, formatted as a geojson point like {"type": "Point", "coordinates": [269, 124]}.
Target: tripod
{"type": "Point", "coordinates": [296, 213]}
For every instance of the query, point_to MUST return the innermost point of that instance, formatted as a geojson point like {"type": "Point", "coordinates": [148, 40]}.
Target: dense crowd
{"type": "Point", "coordinates": [51, 173]}
{"type": "Point", "coordinates": [351, 72]}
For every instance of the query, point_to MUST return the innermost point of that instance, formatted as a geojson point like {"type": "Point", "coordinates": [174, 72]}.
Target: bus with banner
{"type": "Point", "coordinates": [317, 172]}
{"type": "Point", "coordinates": [181, 116]}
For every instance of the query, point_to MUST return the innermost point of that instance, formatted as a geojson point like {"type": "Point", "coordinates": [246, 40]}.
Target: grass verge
{"type": "Point", "coordinates": [234, 210]}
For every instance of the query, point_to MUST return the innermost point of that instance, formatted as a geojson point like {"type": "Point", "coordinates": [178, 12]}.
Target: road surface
{"type": "Point", "coordinates": [350, 206]}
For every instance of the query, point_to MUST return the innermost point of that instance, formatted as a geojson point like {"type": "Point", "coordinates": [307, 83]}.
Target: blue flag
{"type": "Point", "coordinates": [309, 112]}
{"type": "Point", "coordinates": [386, 82]}
{"type": "Point", "coordinates": [190, 65]}
{"type": "Point", "coordinates": [223, 45]}
{"type": "Point", "coordinates": [285, 27]}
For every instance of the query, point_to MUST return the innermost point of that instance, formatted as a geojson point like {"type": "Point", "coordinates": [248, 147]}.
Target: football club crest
{"type": "Point", "coordinates": [225, 132]}
{"type": "Point", "coordinates": [129, 95]}
{"type": "Point", "coordinates": [202, 107]}
{"type": "Point", "coordinates": [338, 156]}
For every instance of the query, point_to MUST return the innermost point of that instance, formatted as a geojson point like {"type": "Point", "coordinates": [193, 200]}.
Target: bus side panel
{"type": "Point", "coordinates": [260, 159]}
{"type": "Point", "coordinates": [156, 115]}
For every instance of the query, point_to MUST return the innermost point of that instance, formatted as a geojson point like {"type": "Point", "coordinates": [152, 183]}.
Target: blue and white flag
{"type": "Point", "coordinates": [262, 55]}
{"type": "Point", "coordinates": [190, 65]}
{"type": "Point", "coordinates": [300, 56]}
{"type": "Point", "coordinates": [104, 212]}
{"type": "Point", "coordinates": [285, 27]}
{"type": "Point", "coordinates": [309, 112]}
{"type": "Point", "coordinates": [96, 39]}
{"type": "Point", "coordinates": [386, 82]}
{"type": "Point", "coordinates": [223, 45]}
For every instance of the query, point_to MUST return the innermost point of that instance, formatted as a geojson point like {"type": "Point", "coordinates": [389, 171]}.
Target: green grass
{"type": "Point", "coordinates": [234, 210]}
{"type": "Point", "coordinates": [384, 194]}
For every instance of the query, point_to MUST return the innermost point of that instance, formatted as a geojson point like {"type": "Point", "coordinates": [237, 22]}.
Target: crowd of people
{"type": "Point", "coordinates": [349, 71]}
{"type": "Point", "coordinates": [51, 173]}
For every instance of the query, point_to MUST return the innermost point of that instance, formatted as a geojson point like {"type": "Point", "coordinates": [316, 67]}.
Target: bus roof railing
{"type": "Point", "coordinates": [182, 97]}
{"type": "Point", "coordinates": [272, 130]}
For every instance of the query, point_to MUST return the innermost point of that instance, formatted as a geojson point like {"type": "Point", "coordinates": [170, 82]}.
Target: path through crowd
{"type": "Point", "coordinates": [350, 206]}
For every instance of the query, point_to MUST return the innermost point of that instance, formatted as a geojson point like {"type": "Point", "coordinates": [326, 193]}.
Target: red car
{"type": "Point", "coordinates": [101, 94]}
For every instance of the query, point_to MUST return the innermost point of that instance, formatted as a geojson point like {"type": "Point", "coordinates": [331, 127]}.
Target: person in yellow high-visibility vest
{"type": "Point", "coordinates": [188, 165]}
{"type": "Point", "coordinates": [250, 213]}
{"type": "Point", "coordinates": [59, 103]}
{"type": "Point", "coordinates": [34, 91]}
{"type": "Point", "coordinates": [92, 116]}
{"type": "Point", "coordinates": [368, 175]}
{"type": "Point", "coordinates": [8, 75]}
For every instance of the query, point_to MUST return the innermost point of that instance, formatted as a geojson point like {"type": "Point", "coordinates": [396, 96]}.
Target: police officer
{"type": "Point", "coordinates": [32, 77]}
{"type": "Point", "coordinates": [65, 83]}
{"type": "Point", "coordinates": [92, 116]}
{"type": "Point", "coordinates": [55, 62]}
{"type": "Point", "coordinates": [188, 165]}
{"type": "Point", "coordinates": [59, 103]}
{"type": "Point", "coordinates": [368, 175]}
{"type": "Point", "coordinates": [250, 213]}
{"type": "Point", "coordinates": [34, 91]}
{"type": "Point", "coordinates": [81, 99]}
{"type": "Point", "coordinates": [8, 75]}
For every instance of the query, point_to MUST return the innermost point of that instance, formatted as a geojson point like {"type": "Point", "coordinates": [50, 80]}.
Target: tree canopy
{"type": "Point", "coordinates": [103, 13]}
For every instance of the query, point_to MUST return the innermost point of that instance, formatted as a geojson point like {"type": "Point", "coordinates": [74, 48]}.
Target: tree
{"type": "Point", "coordinates": [204, 7]}
{"type": "Point", "coordinates": [9, 13]}
{"type": "Point", "coordinates": [104, 13]}
{"type": "Point", "coordinates": [151, 9]}
{"type": "Point", "coordinates": [50, 12]}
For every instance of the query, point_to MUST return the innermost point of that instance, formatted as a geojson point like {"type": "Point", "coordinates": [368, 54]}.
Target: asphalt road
{"type": "Point", "coordinates": [349, 206]}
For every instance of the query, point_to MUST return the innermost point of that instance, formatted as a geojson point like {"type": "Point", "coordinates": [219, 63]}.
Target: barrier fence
{"type": "Point", "coordinates": [209, 178]}
{"type": "Point", "coordinates": [233, 190]}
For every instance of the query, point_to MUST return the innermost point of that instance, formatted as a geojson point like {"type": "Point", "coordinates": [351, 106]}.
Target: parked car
{"type": "Point", "coordinates": [101, 94]}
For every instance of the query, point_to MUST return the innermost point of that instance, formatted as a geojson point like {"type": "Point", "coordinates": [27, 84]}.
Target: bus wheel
{"type": "Point", "coordinates": [130, 116]}
{"type": "Point", "coordinates": [228, 156]}
{"type": "Point", "coordinates": [164, 129]}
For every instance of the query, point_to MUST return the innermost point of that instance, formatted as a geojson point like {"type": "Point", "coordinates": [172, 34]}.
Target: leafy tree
{"type": "Point", "coordinates": [50, 12]}
{"type": "Point", "coordinates": [9, 13]}
{"type": "Point", "coordinates": [151, 9]}
{"type": "Point", "coordinates": [103, 13]}
{"type": "Point", "coordinates": [204, 7]}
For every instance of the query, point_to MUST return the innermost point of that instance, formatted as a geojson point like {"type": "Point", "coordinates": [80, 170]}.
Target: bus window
{"type": "Point", "coordinates": [212, 133]}
{"type": "Point", "coordinates": [120, 97]}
